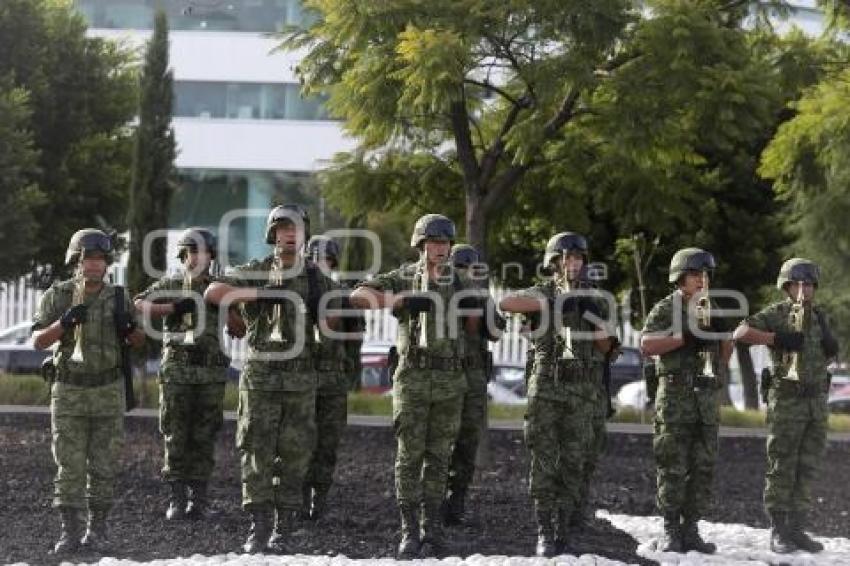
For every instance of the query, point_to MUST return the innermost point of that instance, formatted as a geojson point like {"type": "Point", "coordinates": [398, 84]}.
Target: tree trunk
{"type": "Point", "coordinates": [748, 376]}
{"type": "Point", "coordinates": [476, 221]}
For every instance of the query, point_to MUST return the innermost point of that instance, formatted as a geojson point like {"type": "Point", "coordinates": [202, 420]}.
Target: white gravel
{"type": "Point", "coordinates": [736, 544]}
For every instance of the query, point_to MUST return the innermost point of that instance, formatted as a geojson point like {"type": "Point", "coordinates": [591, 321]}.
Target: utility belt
{"type": "Point", "coordinates": [291, 366]}
{"type": "Point", "coordinates": [575, 370]}
{"type": "Point", "coordinates": [440, 363]}
{"type": "Point", "coordinates": [198, 357]}
{"type": "Point", "coordinates": [787, 388]}
{"type": "Point", "coordinates": [89, 379]}
{"type": "Point", "coordinates": [697, 382]}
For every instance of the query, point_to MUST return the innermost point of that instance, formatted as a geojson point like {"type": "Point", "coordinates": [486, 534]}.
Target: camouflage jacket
{"type": "Point", "coordinates": [205, 362]}
{"type": "Point", "coordinates": [677, 399]}
{"type": "Point", "coordinates": [551, 375]}
{"type": "Point", "coordinates": [286, 366]}
{"type": "Point", "coordinates": [812, 362]}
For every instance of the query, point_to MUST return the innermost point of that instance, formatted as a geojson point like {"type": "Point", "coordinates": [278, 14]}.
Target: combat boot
{"type": "Point", "coordinates": [176, 501]}
{"type": "Point", "coordinates": [546, 546]}
{"type": "Point", "coordinates": [198, 502]}
{"type": "Point", "coordinates": [320, 499]}
{"type": "Point", "coordinates": [96, 538]}
{"type": "Point", "coordinates": [796, 522]}
{"type": "Point", "coordinates": [671, 539]}
{"type": "Point", "coordinates": [433, 540]}
{"type": "Point", "coordinates": [562, 531]}
{"type": "Point", "coordinates": [454, 507]}
{"type": "Point", "coordinates": [691, 539]}
{"type": "Point", "coordinates": [261, 528]}
{"type": "Point", "coordinates": [70, 532]}
{"type": "Point", "coordinates": [408, 546]}
{"type": "Point", "coordinates": [285, 523]}
{"type": "Point", "coordinates": [780, 537]}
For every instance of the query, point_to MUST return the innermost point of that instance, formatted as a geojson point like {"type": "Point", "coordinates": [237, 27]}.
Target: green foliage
{"type": "Point", "coordinates": [153, 158]}
{"type": "Point", "coordinates": [80, 97]}
{"type": "Point", "coordinates": [18, 194]}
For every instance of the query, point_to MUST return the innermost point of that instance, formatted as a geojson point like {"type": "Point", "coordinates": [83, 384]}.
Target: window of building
{"type": "Point", "coordinates": [246, 101]}
{"type": "Point", "coordinates": [204, 15]}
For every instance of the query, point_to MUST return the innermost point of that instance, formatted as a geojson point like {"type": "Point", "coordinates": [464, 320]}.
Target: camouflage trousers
{"type": "Point", "coordinates": [557, 433]}
{"type": "Point", "coordinates": [794, 451]}
{"type": "Point", "coordinates": [473, 422]}
{"type": "Point", "coordinates": [685, 454]}
{"type": "Point", "coordinates": [275, 436]}
{"type": "Point", "coordinates": [190, 417]}
{"type": "Point", "coordinates": [425, 429]}
{"type": "Point", "coordinates": [331, 418]}
{"type": "Point", "coordinates": [597, 442]}
{"type": "Point", "coordinates": [86, 451]}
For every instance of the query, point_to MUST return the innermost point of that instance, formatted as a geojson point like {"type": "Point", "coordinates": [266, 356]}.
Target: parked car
{"type": "Point", "coordinates": [507, 385]}
{"type": "Point", "coordinates": [634, 395]}
{"type": "Point", "coordinates": [839, 400]}
{"type": "Point", "coordinates": [17, 353]}
{"type": "Point", "coordinates": [627, 368]}
{"type": "Point", "coordinates": [375, 376]}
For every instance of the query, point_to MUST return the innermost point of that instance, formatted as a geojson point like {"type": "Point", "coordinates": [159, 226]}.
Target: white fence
{"type": "Point", "coordinates": [18, 302]}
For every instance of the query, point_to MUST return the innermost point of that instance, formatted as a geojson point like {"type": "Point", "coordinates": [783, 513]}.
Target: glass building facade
{"type": "Point", "coordinates": [208, 15]}
{"type": "Point", "coordinates": [245, 101]}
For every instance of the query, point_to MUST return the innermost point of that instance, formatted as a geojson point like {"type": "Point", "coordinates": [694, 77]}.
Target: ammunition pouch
{"type": "Point", "coordinates": [198, 357]}
{"type": "Point", "coordinates": [424, 361]}
{"type": "Point", "coordinates": [48, 370]}
{"type": "Point", "coordinates": [650, 376]}
{"type": "Point", "coordinates": [89, 379]}
{"type": "Point", "coordinates": [764, 386]}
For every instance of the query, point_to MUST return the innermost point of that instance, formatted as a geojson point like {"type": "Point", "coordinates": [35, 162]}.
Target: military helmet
{"type": "Point", "coordinates": [190, 238]}
{"type": "Point", "coordinates": [322, 247]}
{"type": "Point", "coordinates": [564, 242]}
{"type": "Point", "coordinates": [90, 240]}
{"type": "Point", "coordinates": [432, 226]}
{"type": "Point", "coordinates": [798, 269]}
{"type": "Point", "coordinates": [286, 213]}
{"type": "Point", "coordinates": [464, 255]}
{"type": "Point", "coordinates": [690, 259]}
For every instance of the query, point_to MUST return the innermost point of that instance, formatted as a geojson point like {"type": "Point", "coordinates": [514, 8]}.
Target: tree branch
{"type": "Point", "coordinates": [490, 86]}
{"type": "Point", "coordinates": [463, 141]}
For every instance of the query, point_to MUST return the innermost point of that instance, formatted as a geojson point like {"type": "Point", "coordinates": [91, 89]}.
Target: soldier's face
{"type": "Point", "coordinates": [793, 290]}
{"type": "Point", "coordinates": [437, 251]}
{"type": "Point", "coordinates": [571, 264]}
{"type": "Point", "coordinates": [288, 238]}
{"type": "Point", "coordinates": [94, 267]}
{"type": "Point", "coordinates": [198, 261]}
{"type": "Point", "coordinates": [692, 283]}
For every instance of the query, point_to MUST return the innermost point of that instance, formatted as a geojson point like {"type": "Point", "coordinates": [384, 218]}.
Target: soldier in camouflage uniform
{"type": "Point", "coordinates": [473, 420]}
{"type": "Point", "coordinates": [797, 412]}
{"type": "Point", "coordinates": [570, 343]}
{"type": "Point", "coordinates": [692, 356]}
{"type": "Point", "coordinates": [192, 373]}
{"type": "Point", "coordinates": [429, 383]}
{"type": "Point", "coordinates": [87, 396]}
{"type": "Point", "coordinates": [336, 360]}
{"type": "Point", "coordinates": [279, 296]}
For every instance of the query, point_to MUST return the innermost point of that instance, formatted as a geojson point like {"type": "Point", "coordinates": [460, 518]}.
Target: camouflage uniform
{"type": "Point", "coordinates": [86, 400]}
{"type": "Point", "coordinates": [191, 379]}
{"type": "Point", "coordinates": [336, 361]}
{"type": "Point", "coordinates": [687, 415]}
{"type": "Point", "coordinates": [428, 390]}
{"type": "Point", "coordinates": [797, 415]}
{"type": "Point", "coordinates": [277, 398]}
{"type": "Point", "coordinates": [561, 396]}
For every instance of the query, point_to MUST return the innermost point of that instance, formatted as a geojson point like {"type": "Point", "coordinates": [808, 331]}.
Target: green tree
{"type": "Point", "coordinates": [81, 99]}
{"type": "Point", "coordinates": [18, 194]}
{"type": "Point", "coordinates": [153, 158]}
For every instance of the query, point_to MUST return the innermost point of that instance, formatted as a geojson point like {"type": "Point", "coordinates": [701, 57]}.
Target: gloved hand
{"type": "Point", "coordinates": [125, 324]}
{"type": "Point", "coordinates": [75, 315]}
{"type": "Point", "coordinates": [788, 340]}
{"type": "Point", "coordinates": [417, 303]}
{"type": "Point", "coordinates": [184, 306]}
{"type": "Point", "coordinates": [581, 304]}
{"type": "Point", "coordinates": [693, 341]}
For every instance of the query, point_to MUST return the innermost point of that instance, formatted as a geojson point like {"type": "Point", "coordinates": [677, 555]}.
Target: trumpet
{"type": "Point", "coordinates": [795, 321]}
{"type": "Point", "coordinates": [423, 316]}
{"type": "Point", "coordinates": [189, 335]}
{"type": "Point", "coordinates": [78, 298]}
{"type": "Point", "coordinates": [276, 278]}
{"type": "Point", "coordinates": [566, 331]}
{"type": "Point", "coordinates": [703, 316]}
